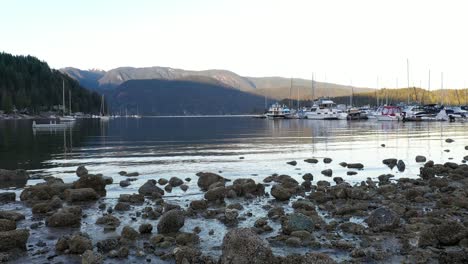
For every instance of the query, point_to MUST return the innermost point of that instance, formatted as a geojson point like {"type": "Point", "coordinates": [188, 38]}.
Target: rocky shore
{"type": "Point", "coordinates": [380, 220]}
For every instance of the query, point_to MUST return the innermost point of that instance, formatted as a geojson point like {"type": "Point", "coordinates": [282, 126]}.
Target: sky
{"type": "Point", "coordinates": [360, 42]}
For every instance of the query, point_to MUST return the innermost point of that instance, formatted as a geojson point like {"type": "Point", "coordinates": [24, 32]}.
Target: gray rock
{"type": "Point", "coordinates": [308, 177]}
{"type": "Point", "coordinates": [215, 194]}
{"type": "Point", "coordinates": [401, 166]}
{"type": "Point", "coordinates": [244, 246]}
{"type": "Point", "coordinates": [95, 182]}
{"type": "Point", "coordinates": [171, 222]}
{"type": "Point", "coordinates": [13, 175]}
{"type": "Point", "coordinates": [145, 228]}
{"type": "Point", "coordinates": [46, 207]}
{"type": "Point", "coordinates": [81, 171]}
{"type": "Point", "coordinates": [129, 233]}
{"type": "Point", "coordinates": [198, 205]}
{"type": "Point", "coordinates": [14, 239]}
{"type": "Point", "coordinates": [120, 206]}
{"type": "Point", "coordinates": [420, 158]}
{"type": "Point", "coordinates": [327, 160]}
{"type": "Point", "coordinates": [450, 233]}
{"type": "Point", "coordinates": [186, 239]}
{"type": "Point", "coordinates": [79, 243]}
{"type": "Point", "coordinates": [449, 140]}
{"type": "Point", "coordinates": [132, 174]}
{"type": "Point", "coordinates": [184, 187]}
{"type": "Point", "coordinates": [81, 195]}
{"type": "Point", "coordinates": [65, 217]}
{"type": "Point", "coordinates": [162, 181]}
{"type": "Point", "coordinates": [351, 173]}
{"type": "Point", "coordinates": [231, 214]}
{"type": "Point", "coordinates": [390, 162]}
{"type": "Point", "coordinates": [7, 225]}
{"type": "Point", "coordinates": [149, 188]}
{"type": "Point", "coordinates": [6, 197]}
{"type": "Point", "coordinates": [11, 215]}
{"type": "Point", "coordinates": [175, 182]}
{"type": "Point", "coordinates": [90, 257]}
{"type": "Point", "coordinates": [383, 219]}
{"type": "Point", "coordinates": [107, 245]}
{"type": "Point", "coordinates": [205, 179]}
{"type": "Point", "coordinates": [293, 163]}
{"type": "Point", "coordinates": [327, 172]}
{"type": "Point", "coordinates": [358, 166]}
{"type": "Point", "coordinates": [313, 161]}
{"type": "Point", "coordinates": [124, 183]}
{"type": "Point", "coordinates": [108, 220]}
{"type": "Point", "coordinates": [280, 193]}
{"type": "Point", "coordinates": [297, 222]}
{"type": "Point", "coordinates": [132, 198]}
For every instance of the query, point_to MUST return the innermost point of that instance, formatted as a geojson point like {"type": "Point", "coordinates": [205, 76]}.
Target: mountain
{"type": "Point", "coordinates": [191, 96]}
{"type": "Point", "coordinates": [89, 79]}
{"type": "Point", "coordinates": [30, 85]}
{"type": "Point", "coordinates": [273, 87]}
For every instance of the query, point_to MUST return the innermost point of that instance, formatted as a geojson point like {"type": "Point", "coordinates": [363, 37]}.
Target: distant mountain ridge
{"type": "Point", "coordinates": [272, 87]}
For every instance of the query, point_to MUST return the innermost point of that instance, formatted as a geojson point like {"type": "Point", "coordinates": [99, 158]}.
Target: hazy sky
{"type": "Point", "coordinates": [344, 41]}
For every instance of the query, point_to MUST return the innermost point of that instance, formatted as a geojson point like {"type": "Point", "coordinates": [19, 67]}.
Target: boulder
{"type": "Point", "coordinates": [186, 239]}
{"type": "Point", "coordinates": [149, 188]}
{"type": "Point", "coordinates": [14, 176]}
{"type": "Point", "coordinates": [358, 166]}
{"type": "Point", "coordinates": [293, 163]}
{"type": "Point", "coordinates": [205, 179]}
{"type": "Point", "coordinates": [11, 215]}
{"type": "Point", "coordinates": [90, 257]}
{"type": "Point", "coordinates": [308, 258]}
{"type": "Point", "coordinates": [79, 243]}
{"type": "Point", "coordinates": [401, 166]}
{"type": "Point", "coordinates": [243, 187]}
{"type": "Point", "coordinates": [383, 219]}
{"type": "Point", "coordinates": [280, 193]}
{"type": "Point", "coordinates": [132, 198]}
{"type": "Point", "coordinates": [184, 187]}
{"type": "Point", "coordinates": [420, 158]}
{"type": "Point", "coordinates": [81, 171]}
{"type": "Point", "coordinates": [390, 162]}
{"type": "Point", "coordinates": [44, 192]}
{"type": "Point", "coordinates": [120, 206]}
{"type": "Point", "coordinates": [124, 183]}
{"type": "Point", "coordinates": [327, 172]}
{"type": "Point", "coordinates": [450, 233]}
{"type": "Point", "coordinates": [162, 181]}
{"type": "Point", "coordinates": [7, 225]}
{"type": "Point", "coordinates": [175, 182]}
{"type": "Point", "coordinates": [107, 245]}
{"type": "Point", "coordinates": [198, 205]}
{"type": "Point", "coordinates": [215, 194]}
{"type": "Point", "coordinates": [81, 195]}
{"type": "Point", "coordinates": [96, 182]}
{"type": "Point", "coordinates": [108, 221]}
{"type": "Point", "coordinates": [171, 221]}
{"type": "Point", "coordinates": [46, 207]}
{"type": "Point", "coordinates": [351, 173]}
{"type": "Point", "coordinates": [297, 222]}
{"type": "Point", "coordinates": [132, 174]}
{"type": "Point", "coordinates": [308, 177]}
{"type": "Point", "coordinates": [313, 161]}
{"type": "Point", "coordinates": [65, 217]}
{"type": "Point", "coordinates": [327, 160]}
{"type": "Point", "coordinates": [6, 197]}
{"type": "Point", "coordinates": [244, 246]}
{"type": "Point", "coordinates": [145, 228]}
{"type": "Point", "coordinates": [449, 140]}
{"type": "Point", "coordinates": [129, 233]}
{"type": "Point", "coordinates": [14, 239]}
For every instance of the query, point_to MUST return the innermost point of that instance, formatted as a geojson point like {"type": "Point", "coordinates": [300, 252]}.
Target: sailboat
{"type": "Point", "coordinates": [66, 118]}
{"type": "Point", "coordinates": [103, 116]}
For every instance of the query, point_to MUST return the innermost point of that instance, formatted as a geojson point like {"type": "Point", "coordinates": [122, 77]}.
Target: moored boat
{"type": "Point", "coordinates": [277, 111]}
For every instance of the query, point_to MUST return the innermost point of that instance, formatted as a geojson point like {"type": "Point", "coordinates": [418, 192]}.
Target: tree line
{"type": "Point", "coordinates": [31, 86]}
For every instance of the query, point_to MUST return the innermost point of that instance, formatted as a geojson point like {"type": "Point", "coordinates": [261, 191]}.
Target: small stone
{"type": "Point", "coordinates": [313, 161]}
{"type": "Point", "coordinates": [327, 172]}
{"type": "Point", "coordinates": [308, 177]}
{"type": "Point", "coordinates": [293, 163]}
{"type": "Point", "coordinates": [81, 171]}
{"type": "Point", "coordinates": [420, 158]}
{"type": "Point", "coordinates": [449, 140]}
{"type": "Point", "coordinates": [162, 181]}
{"type": "Point", "coordinates": [175, 182]}
{"type": "Point", "coordinates": [124, 183]}
{"type": "Point", "coordinates": [184, 187]}
{"type": "Point", "coordinates": [327, 160]}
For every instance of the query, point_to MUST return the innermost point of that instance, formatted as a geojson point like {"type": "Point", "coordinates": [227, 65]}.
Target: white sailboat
{"type": "Point", "coordinates": [103, 116]}
{"type": "Point", "coordinates": [69, 117]}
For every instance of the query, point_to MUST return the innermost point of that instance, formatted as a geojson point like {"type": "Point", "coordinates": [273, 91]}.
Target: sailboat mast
{"type": "Point", "coordinates": [376, 92]}
{"type": "Point", "coordinates": [313, 90]}
{"type": "Point", "coordinates": [407, 76]}
{"type": "Point", "coordinates": [441, 88]}
{"type": "Point", "coordinates": [63, 96]}
{"type": "Point", "coordinates": [69, 101]}
{"type": "Point", "coordinates": [290, 93]}
{"type": "Point", "coordinates": [429, 84]}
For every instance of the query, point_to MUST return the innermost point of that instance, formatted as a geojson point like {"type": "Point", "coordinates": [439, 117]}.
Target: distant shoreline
{"type": "Point", "coordinates": [47, 117]}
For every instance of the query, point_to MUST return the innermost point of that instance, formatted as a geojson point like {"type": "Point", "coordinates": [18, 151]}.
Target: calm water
{"type": "Point", "coordinates": [166, 147]}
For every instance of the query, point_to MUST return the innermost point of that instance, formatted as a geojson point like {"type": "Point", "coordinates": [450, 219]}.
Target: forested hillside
{"type": "Point", "coordinates": [31, 86]}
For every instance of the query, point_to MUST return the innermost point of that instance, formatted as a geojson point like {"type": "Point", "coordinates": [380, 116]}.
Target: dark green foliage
{"type": "Point", "coordinates": [29, 85]}
{"type": "Point", "coordinates": [182, 97]}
